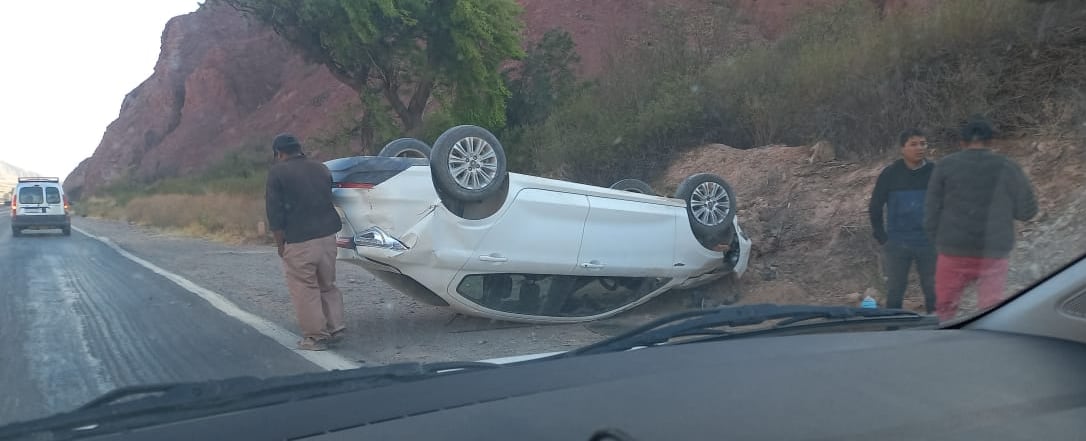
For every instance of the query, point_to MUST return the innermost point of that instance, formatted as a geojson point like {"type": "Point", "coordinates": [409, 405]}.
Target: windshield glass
{"type": "Point", "coordinates": [52, 195]}
{"type": "Point", "coordinates": [30, 195]}
{"type": "Point", "coordinates": [265, 188]}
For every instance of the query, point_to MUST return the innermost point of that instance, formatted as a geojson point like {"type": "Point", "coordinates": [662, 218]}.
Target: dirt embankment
{"type": "Point", "coordinates": [809, 223]}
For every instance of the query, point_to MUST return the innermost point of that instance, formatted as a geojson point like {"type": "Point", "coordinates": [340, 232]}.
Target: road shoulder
{"type": "Point", "coordinates": [385, 326]}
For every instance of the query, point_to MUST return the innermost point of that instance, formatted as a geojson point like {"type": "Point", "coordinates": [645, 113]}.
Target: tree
{"type": "Point", "coordinates": [406, 51]}
{"type": "Point", "coordinates": [544, 79]}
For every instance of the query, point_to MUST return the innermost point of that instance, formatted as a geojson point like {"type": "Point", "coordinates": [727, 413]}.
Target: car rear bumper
{"type": "Point", "coordinates": [352, 256]}
{"type": "Point", "coordinates": [45, 220]}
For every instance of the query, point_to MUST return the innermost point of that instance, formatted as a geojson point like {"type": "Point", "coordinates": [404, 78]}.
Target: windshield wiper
{"type": "Point", "coordinates": [241, 387]}
{"type": "Point", "coordinates": [135, 406]}
{"type": "Point", "coordinates": [707, 322]}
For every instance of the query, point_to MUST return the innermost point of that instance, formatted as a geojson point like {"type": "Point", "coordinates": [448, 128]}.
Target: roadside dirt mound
{"type": "Point", "coordinates": [812, 240]}
{"type": "Point", "coordinates": [1058, 234]}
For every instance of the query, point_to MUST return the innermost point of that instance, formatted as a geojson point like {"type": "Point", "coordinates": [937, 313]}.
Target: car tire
{"type": "Point", "coordinates": [67, 231]}
{"type": "Point", "coordinates": [406, 148]}
{"type": "Point", "coordinates": [16, 232]}
{"type": "Point", "coordinates": [710, 207]}
{"type": "Point", "coordinates": [634, 185]}
{"type": "Point", "coordinates": [481, 155]}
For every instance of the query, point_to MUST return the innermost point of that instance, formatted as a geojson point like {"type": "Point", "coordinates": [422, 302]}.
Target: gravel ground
{"type": "Point", "coordinates": [384, 326]}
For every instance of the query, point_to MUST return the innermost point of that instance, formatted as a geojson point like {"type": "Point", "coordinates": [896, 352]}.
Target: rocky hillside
{"type": "Point", "coordinates": [224, 83]}
{"type": "Point", "coordinates": [221, 82]}
{"type": "Point", "coordinates": [9, 176]}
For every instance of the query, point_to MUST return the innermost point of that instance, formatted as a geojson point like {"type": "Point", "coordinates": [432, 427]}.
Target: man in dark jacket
{"type": "Point", "coordinates": [901, 188]}
{"type": "Point", "coordinates": [304, 221]}
{"type": "Point", "coordinates": [974, 198]}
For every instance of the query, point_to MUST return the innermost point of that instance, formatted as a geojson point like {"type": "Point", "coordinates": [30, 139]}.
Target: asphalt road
{"type": "Point", "coordinates": [77, 319]}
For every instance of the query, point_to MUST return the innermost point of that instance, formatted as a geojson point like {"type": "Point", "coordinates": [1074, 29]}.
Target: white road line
{"type": "Point", "coordinates": [328, 360]}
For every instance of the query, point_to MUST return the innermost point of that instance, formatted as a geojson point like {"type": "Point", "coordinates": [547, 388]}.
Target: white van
{"type": "Point", "coordinates": [40, 203]}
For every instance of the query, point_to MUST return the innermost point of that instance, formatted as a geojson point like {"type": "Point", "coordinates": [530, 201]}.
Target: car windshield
{"type": "Point", "coordinates": [226, 188]}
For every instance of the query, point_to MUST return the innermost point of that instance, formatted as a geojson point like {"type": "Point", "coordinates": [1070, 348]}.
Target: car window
{"type": "Point", "coordinates": [556, 295]}
{"type": "Point", "coordinates": [52, 195]}
{"type": "Point", "coordinates": [30, 195]}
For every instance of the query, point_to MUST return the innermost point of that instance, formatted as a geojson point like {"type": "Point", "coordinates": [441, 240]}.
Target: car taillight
{"type": "Point", "coordinates": [65, 202]}
{"type": "Point", "coordinates": [351, 185]}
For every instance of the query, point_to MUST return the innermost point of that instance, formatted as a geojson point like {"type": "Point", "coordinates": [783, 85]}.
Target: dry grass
{"type": "Point", "coordinates": [224, 217]}
{"type": "Point", "coordinates": [224, 202]}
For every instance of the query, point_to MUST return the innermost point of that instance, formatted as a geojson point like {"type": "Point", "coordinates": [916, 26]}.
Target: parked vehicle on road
{"type": "Point", "coordinates": [457, 229]}
{"type": "Point", "coordinates": [40, 203]}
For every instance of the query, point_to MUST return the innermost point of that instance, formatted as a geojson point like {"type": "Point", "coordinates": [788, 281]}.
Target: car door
{"type": "Point", "coordinates": [54, 201]}
{"type": "Point", "coordinates": [537, 237]}
{"type": "Point", "coordinates": [540, 233]}
{"type": "Point", "coordinates": [628, 239]}
{"type": "Point", "coordinates": [30, 201]}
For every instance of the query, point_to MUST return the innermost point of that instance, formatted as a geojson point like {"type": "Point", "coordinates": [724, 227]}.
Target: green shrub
{"type": "Point", "coordinates": [843, 74]}
{"type": "Point", "coordinates": [848, 76]}
{"type": "Point", "coordinates": [628, 122]}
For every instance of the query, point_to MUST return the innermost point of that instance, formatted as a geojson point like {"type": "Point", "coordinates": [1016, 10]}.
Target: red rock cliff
{"type": "Point", "coordinates": [223, 82]}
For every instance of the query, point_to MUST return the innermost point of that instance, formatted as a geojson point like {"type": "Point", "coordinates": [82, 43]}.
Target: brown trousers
{"type": "Point", "coordinates": [310, 269]}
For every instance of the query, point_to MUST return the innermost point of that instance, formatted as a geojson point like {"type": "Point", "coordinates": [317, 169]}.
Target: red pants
{"type": "Point", "coordinates": [954, 273]}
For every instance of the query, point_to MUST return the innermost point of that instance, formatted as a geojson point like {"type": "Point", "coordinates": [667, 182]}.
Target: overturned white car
{"type": "Point", "coordinates": [451, 227]}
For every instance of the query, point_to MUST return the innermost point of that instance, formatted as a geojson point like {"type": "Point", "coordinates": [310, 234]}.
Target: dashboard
{"type": "Point", "coordinates": [909, 384]}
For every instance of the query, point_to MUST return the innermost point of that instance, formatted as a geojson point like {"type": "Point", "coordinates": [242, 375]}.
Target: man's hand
{"type": "Point", "coordinates": [280, 241]}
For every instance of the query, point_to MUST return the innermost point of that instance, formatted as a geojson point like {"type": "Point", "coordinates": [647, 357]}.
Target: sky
{"type": "Point", "coordinates": [67, 65]}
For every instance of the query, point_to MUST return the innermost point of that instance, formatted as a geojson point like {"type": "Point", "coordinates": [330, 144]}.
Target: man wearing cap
{"type": "Point", "coordinates": [300, 213]}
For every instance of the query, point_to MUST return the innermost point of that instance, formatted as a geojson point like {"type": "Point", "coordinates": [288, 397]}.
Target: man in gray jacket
{"type": "Point", "coordinates": [973, 199]}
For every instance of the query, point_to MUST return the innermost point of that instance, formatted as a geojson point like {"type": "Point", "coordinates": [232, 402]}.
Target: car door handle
{"type": "Point", "coordinates": [592, 265]}
{"type": "Point", "coordinates": [492, 258]}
